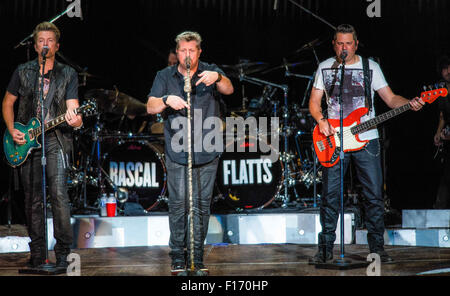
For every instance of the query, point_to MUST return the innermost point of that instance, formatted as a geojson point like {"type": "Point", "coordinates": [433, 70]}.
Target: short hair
{"type": "Point", "coordinates": [346, 29]}
{"type": "Point", "coordinates": [46, 26]}
{"type": "Point", "coordinates": [442, 63]}
{"type": "Point", "coordinates": [189, 36]}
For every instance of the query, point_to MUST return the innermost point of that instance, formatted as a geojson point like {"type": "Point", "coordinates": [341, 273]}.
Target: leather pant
{"type": "Point", "coordinates": [203, 177]}
{"type": "Point", "coordinates": [369, 173]}
{"type": "Point", "coordinates": [56, 173]}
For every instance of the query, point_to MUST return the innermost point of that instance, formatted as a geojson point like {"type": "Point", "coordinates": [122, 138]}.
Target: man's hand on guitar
{"type": "Point", "coordinates": [416, 104]}
{"type": "Point", "coordinates": [18, 137]}
{"type": "Point", "coordinates": [326, 128]}
{"type": "Point", "coordinates": [72, 118]}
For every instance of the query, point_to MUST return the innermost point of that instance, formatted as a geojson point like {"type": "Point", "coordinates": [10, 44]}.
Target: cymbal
{"type": "Point", "coordinates": [286, 65]}
{"type": "Point", "coordinates": [115, 102]}
{"type": "Point", "coordinates": [244, 68]}
{"type": "Point", "coordinates": [316, 42]}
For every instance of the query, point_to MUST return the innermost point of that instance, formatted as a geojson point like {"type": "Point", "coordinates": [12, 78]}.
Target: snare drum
{"type": "Point", "coordinates": [139, 167]}
{"type": "Point", "coordinates": [245, 179]}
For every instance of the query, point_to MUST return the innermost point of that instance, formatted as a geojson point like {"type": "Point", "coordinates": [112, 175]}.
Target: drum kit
{"type": "Point", "coordinates": [121, 150]}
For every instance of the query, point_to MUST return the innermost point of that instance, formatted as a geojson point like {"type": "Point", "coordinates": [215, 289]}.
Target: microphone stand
{"type": "Point", "coordinates": [25, 40]}
{"type": "Point", "coordinates": [188, 89]}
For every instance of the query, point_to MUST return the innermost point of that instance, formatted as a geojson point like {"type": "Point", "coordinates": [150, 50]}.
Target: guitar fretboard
{"type": "Point", "coordinates": [53, 123]}
{"type": "Point", "coordinates": [362, 127]}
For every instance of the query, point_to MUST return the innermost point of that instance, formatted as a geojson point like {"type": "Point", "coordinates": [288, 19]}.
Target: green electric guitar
{"type": "Point", "coordinates": [17, 154]}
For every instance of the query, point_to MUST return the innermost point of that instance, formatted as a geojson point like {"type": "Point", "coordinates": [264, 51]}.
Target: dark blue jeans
{"type": "Point", "coordinates": [367, 163]}
{"type": "Point", "coordinates": [203, 177]}
{"type": "Point", "coordinates": [31, 176]}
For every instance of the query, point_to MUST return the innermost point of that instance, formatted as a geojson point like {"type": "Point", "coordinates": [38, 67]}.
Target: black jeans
{"type": "Point", "coordinates": [203, 177]}
{"type": "Point", "coordinates": [368, 170]}
{"type": "Point", "coordinates": [443, 194]}
{"type": "Point", "coordinates": [31, 176]}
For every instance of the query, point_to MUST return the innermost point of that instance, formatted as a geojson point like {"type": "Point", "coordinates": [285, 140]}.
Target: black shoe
{"type": "Point", "coordinates": [385, 258]}
{"type": "Point", "coordinates": [200, 270]}
{"type": "Point", "coordinates": [177, 268]}
{"type": "Point", "coordinates": [35, 262]}
{"type": "Point", "coordinates": [61, 261]}
{"type": "Point", "coordinates": [320, 258]}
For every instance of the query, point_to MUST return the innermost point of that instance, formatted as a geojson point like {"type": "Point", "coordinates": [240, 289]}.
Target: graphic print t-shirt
{"type": "Point", "coordinates": [328, 78]}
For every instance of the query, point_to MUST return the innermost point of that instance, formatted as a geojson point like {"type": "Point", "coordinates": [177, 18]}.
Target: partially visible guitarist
{"type": "Point", "coordinates": [442, 137]}
{"type": "Point", "coordinates": [367, 160]}
{"type": "Point", "coordinates": [60, 96]}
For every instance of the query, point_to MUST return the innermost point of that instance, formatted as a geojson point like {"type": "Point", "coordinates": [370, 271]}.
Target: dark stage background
{"type": "Point", "coordinates": [126, 43]}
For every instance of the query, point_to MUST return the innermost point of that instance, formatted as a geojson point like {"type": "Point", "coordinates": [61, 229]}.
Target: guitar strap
{"type": "Point", "coordinates": [367, 83]}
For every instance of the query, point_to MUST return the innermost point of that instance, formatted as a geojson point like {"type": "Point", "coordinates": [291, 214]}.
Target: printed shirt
{"type": "Point", "coordinates": [328, 78]}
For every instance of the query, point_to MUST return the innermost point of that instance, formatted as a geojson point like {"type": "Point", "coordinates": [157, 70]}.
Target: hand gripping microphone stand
{"type": "Point", "coordinates": [342, 263]}
{"type": "Point", "coordinates": [46, 268]}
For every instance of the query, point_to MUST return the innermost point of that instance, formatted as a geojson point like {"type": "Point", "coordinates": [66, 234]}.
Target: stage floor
{"type": "Point", "coordinates": [241, 260]}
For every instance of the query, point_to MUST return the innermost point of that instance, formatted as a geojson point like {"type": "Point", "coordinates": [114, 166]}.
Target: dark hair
{"type": "Point", "coordinates": [443, 62]}
{"type": "Point", "coordinates": [346, 29]}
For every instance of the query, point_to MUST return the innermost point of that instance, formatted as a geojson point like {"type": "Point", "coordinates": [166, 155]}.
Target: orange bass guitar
{"type": "Point", "coordinates": [328, 148]}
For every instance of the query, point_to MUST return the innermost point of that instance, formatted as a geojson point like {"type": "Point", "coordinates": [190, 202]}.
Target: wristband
{"type": "Point", "coordinates": [219, 77]}
{"type": "Point", "coordinates": [164, 99]}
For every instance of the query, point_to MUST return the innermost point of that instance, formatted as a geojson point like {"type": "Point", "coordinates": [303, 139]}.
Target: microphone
{"type": "Point", "coordinates": [44, 51]}
{"type": "Point", "coordinates": [188, 62]}
{"type": "Point", "coordinates": [344, 54]}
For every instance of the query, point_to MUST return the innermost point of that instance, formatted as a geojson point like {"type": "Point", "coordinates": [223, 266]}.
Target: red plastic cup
{"type": "Point", "coordinates": [111, 209]}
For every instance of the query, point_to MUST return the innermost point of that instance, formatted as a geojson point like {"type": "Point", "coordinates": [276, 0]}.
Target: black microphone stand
{"type": "Point", "coordinates": [47, 268]}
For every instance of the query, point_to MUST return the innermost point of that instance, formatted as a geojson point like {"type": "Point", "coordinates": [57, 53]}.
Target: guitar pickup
{"type": "Point", "coordinates": [31, 134]}
{"type": "Point", "coordinates": [320, 146]}
{"type": "Point", "coordinates": [330, 144]}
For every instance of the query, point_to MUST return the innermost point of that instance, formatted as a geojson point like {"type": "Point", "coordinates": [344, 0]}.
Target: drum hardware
{"type": "Point", "coordinates": [244, 67]}
{"type": "Point", "coordinates": [285, 90]}
{"type": "Point", "coordinates": [115, 102]}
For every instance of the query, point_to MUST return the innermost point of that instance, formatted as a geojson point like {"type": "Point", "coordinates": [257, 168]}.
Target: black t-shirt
{"type": "Point", "coordinates": [204, 98]}
{"type": "Point", "coordinates": [444, 107]}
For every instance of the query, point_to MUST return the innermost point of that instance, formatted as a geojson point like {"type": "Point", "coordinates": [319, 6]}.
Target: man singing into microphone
{"type": "Point", "coordinates": [60, 93]}
{"type": "Point", "coordinates": [366, 161]}
{"type": "Point", "coordinates": [168, 94]}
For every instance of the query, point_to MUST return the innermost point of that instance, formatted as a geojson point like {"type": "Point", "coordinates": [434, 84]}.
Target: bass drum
{"type": "Point", "coordinates": [139, 167]}
{"type": "Point", "coordinates": [246, 180]}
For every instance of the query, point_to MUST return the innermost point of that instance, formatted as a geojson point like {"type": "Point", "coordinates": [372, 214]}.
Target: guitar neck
{"type": "Point", "coordinates": [362, 127]}
{"type": "Point", "coordinates": [53, 123]}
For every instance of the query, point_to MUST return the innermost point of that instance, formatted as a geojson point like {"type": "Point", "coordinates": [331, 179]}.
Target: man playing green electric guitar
{"type": "Point", "coordinates": [60, 93]}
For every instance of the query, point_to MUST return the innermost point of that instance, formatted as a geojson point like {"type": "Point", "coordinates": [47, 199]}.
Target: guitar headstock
{"type": "Point", "coordinates": [431, 95]}
{"type": "Point", "coordinates": [88, 108]}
